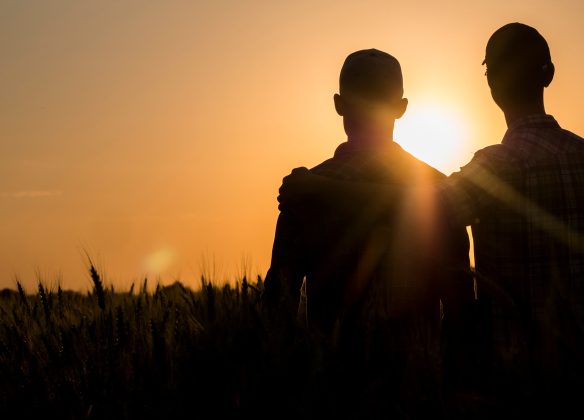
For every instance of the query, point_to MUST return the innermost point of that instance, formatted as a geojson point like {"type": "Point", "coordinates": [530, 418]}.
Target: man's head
{"type": "Point", "coordinates": [370, 94]}
{"type": "Point", "coordinates": [519, 65]}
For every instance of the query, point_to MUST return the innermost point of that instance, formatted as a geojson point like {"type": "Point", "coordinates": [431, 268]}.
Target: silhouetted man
{"type": "Point", "coordinates": [524, 199]}
{"type": "Point", "coordinates": [359, 270]}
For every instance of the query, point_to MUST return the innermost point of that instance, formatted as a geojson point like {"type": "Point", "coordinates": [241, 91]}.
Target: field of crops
{"type": "Point", "coordinates": [177, 353]}
{"type": "Point", "coordinates": [217, 352]}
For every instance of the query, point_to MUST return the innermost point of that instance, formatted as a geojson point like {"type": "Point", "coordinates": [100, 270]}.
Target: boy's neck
{"type": "Point", "coordinates": [368, 136]}
{"type": "Point", "coordinates": [368, 140]}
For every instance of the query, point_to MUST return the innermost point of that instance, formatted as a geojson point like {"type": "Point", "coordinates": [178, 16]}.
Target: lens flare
{"type": "Point", "coordinates": [159, 260]}
{"type": "Point", "coordinates": [435, 134]}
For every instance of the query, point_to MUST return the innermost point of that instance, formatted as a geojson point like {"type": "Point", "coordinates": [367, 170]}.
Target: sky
{"type": "Point", "coordinates": [153, 135]}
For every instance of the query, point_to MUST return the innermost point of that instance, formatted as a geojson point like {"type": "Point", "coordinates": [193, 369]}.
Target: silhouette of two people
{"type": "Point", "coordinates": [524, 201]}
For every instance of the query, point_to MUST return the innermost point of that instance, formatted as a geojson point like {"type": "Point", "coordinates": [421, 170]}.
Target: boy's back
{"type": "Point", "coordinates": [370, 253]}
{"type": "Point", "coordinates": [365, 267]}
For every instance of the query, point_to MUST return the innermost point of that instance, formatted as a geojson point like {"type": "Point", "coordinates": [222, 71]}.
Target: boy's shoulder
{"type": "Point", "coordinates": [387, 165]}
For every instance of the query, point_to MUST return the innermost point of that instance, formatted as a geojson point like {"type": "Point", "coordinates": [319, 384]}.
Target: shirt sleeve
{"type": "Point", "coordinates": [479, 185]}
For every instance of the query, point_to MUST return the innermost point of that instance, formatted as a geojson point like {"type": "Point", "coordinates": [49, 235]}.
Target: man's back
{"type": "Point", "coordinates": [525, 201]}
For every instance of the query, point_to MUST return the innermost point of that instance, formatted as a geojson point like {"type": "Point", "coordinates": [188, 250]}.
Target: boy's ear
{"type": "Point", "coordinates": [338, 104]}
{"type": "Point", "coordinates": [400, 108]}
{"type": "Point", "coordinates": [548, 74]}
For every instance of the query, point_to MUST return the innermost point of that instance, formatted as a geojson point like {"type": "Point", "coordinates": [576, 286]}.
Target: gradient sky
{"type": "Point", "coordinates": [154, 134]}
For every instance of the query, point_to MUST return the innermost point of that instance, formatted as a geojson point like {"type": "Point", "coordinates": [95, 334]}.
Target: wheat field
{"type": "Point", "coordinates": [215, 352]}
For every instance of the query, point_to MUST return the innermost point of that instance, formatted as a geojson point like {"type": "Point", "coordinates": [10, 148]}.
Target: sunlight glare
{"type": "Point", "coordinates": [435, 134]}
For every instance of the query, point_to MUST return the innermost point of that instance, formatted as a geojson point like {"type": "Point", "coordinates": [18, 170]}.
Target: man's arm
{"type": "Point", "coordinates": [284, 278]}
{"type": "Point", "coordinates": [465, 195]}
{"type": "Point", "coordinates": [461, 199]}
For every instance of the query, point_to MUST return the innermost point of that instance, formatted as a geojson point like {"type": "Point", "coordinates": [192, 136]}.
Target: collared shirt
{"type": "Point", "coordinates": [524, 199]}
{"type": "Point", "coordinates": [346, 262]}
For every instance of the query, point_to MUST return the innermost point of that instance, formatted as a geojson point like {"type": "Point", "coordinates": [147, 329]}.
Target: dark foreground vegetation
{"type": "Point", "coordinates": [173, 353]}
{"type": "Point", "coordinates": [211, 353]}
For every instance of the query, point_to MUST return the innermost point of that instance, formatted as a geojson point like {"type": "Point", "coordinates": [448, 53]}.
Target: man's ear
{"type": "Point", "coordinates": [338, 104]}
{"type": "Point", "coordinates": [548, 74]}
{"type": "Point", "coordinates": [400, 108]}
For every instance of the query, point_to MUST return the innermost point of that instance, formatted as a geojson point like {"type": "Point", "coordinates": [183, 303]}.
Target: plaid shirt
{"type": "Point", "coordinates": [366, 260]}
{"type": "Point", "coordinates": [524, 199]}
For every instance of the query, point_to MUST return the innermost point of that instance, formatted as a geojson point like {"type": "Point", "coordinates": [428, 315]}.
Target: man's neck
{"type": "Point", "coordinates": [520, 111]}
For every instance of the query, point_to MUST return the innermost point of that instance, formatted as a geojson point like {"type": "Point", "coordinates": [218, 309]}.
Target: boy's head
{"type": "Point", "coordinates": [370, 94]}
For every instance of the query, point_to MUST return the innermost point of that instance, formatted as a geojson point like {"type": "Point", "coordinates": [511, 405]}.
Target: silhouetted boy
{"type": "Point", "coordinates": [376, 274]}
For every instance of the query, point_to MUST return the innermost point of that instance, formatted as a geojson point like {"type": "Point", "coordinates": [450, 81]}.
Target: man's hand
{"type": "Point", "coordinates": [297, 187]}
{"type": "Point", "coordinates": [302, 187]}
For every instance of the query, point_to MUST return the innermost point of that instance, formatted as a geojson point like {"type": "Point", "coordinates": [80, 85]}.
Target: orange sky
{"type": "Point", "coordinates": [153, 133]}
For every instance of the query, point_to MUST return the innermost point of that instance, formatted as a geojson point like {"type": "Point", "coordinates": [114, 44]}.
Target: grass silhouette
{"type": "Point", "coordinates": [171, 353]}
{"type": "Point", "coordinates": [216, 352]}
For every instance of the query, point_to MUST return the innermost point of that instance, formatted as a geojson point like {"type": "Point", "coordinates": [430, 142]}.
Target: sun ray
{"type": "Point", "coordinates": [435, 134]}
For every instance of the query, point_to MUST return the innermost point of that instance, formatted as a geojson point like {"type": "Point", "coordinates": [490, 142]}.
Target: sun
{"type": "Point", "coordinates": [435, 134]}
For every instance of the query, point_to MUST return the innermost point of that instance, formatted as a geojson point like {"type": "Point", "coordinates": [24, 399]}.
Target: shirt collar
{"type": "Point", "coordinates": [531, 121]}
